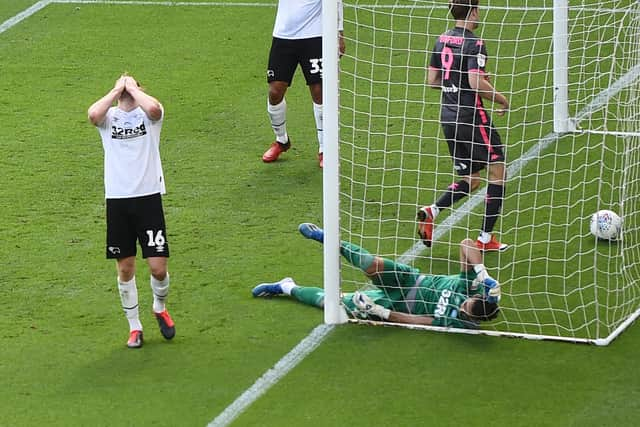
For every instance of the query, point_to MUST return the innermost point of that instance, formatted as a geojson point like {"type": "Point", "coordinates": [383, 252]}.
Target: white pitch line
{"type": "Point", "coordinates": [273, 375]}
{"type": "Point", "coordinates": [23, 15]}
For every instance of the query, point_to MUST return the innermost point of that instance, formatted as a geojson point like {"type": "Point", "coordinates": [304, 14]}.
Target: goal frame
{"type": "Point", "coordinates": [334, 312]}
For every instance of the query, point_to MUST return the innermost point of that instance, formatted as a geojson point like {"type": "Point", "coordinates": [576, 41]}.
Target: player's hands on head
{"type": "Point", "coordinates": [120, 84]}
{"type": "Point", "coordinates": [130, 83]}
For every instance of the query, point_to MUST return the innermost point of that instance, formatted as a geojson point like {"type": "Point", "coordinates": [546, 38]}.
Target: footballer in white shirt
{"type": "Point", "coordinates": [297, 40]}
{"type": "Point", "coordinates": [134, 185]}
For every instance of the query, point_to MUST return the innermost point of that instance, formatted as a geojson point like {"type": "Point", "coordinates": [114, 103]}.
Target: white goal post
{"type": "Point", "coordinates": [571, 70]}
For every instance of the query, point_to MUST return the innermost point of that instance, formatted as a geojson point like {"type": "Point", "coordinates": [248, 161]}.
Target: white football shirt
{"type": "Point", "coordinates": [301, 19]}
{"type": "Point", "coordinates": [131, 143]}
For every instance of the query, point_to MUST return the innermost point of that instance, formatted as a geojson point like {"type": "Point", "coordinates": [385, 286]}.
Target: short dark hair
{"type": "Point", "coordinates": [460, 9]}
{"type": "Point", "coordinates": [481, 309]}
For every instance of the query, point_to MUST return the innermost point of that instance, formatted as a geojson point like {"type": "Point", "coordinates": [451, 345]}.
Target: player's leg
{"type": "Point", "coordinates": [474, 271]}
{"type": "Point", "coordinates": [152, 235]}
{"type": "Point", "coordinates": [491, 152]}
{"type": "Point", "coordinates": [307, 295]}
{"type": "Point", "coordinates": [496, 173]}
{"type": "Point", "coordinates": [458, 141]}
{"type": "Point", "coordinates": [277, 110]}
{"type": "Point", "coordinates": [471, 259]}
{"type": "Point", "coordinates": [128, 291]}
{"type": "Point", "coordinates": [316, 95]}
{"type": "Point", "coordinates": [121, 246]}
{"type": "Point", "coordinates": [361, 258]}
{"type": "Point", "coordinates": [281, 287]}
{"type": "Point", "coordinates": [280, 71]}
{"type": "Point", "coordinates": [385, 273]}
{"type": "Point", "coordinates": [310, 59]}
{"type": "Point", "coordinates": [357, 256]}
{"type": "Point", "coordinates": [353, 253]}
{"type": "Point", "coordinates": [159, 282]}
{"type": "Point", "coordinates": [382, 271]}
{"type": "Point", "coordinates": [469, 255]}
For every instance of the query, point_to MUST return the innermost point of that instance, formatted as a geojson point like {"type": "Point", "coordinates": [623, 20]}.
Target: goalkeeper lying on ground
{"type": "Point", "coordinates": [405, 295]}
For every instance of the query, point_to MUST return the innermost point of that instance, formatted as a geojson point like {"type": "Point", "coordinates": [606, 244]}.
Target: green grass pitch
{"type": "Point", "coordinates": [232, 224]}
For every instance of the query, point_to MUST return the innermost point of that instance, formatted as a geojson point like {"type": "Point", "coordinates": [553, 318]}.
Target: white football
{"type": "Point", "coordinates": [606, 225]}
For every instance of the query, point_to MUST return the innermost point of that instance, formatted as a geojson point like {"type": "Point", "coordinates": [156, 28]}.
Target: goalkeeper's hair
{"type": "Point", "coordinates": [460, 9]}
{"type": "Point", "coordinates": [481, 309]}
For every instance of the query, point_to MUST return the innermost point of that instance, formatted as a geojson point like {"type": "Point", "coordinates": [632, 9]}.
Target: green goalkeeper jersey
{"type": "Point", "coordinates": [437, 296]}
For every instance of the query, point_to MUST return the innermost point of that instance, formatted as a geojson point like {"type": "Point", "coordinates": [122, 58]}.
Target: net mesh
{"type": "Point", "coordinates": [557, 280]}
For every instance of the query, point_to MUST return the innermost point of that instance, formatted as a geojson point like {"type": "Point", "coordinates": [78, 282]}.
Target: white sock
{"type": "Point", "coordinates": [435, 210]}
{"type": "Point", "coordinates": [484, 237]}
{"type": "Point", "coordinates": [317, 113]}
{"type": "Point", "coordinates": [287, 286]}
{"type": "Point", "coordinates": [129, 298]}
{"type": "Point", "coordinates": [278, 117]}
{"type": "Point", "coordinates": [160, 289]}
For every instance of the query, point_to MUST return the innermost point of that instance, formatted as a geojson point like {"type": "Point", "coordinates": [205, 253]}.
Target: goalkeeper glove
{"type": "Point", "coordinates": [366, 305]}
{"type": "Point", "coordinates": [491, 290]}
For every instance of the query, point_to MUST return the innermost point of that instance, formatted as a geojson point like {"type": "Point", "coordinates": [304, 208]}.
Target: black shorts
{"type": "Point", "coordinates": [285, 55]}
{"type": "Point", "coordinates": [473, 146]}
{"type": "Point", "coordinates": [136, 219]}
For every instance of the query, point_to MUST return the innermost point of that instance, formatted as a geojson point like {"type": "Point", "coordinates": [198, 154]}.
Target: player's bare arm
{"type": "Point", "coordinates": [434, 78]}
{"type": "Point", "coordinates": [366, 305]}
{"type": "Point", "coordinates": [485, 89]}
{"type": "Point", "coordinates": [98, 111]}
{"type": "Point", "coordinates": [148, 103]}
{"type": "Point", "coordinates": [410, 319]}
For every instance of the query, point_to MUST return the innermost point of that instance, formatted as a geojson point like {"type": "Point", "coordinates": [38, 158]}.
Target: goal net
{"type": "Point", "coordinates": [557, 280]}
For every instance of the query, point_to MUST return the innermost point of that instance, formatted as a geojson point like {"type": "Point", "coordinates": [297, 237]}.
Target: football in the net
{"type": "Point", "coordinates": [606, 225]}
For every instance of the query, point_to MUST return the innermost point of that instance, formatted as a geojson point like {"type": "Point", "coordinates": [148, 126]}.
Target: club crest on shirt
{"type": "Point", "coordinates": [482, 60]}
{"type": "Point", "coordinates": [128, 131]}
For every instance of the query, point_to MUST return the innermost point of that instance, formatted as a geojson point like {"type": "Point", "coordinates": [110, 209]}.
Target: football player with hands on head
{"type": "Point", "coordinates": [297, 39]}
{"type": "Point", "coordinates": [134, 185]}
{"type": "Point", "coordinates": [404, 294]}
{"type": "Point", "coordinates": [457, 68]}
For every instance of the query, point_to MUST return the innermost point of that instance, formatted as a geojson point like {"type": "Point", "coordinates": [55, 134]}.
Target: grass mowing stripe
{"type": "Point", "coordinates": [273, 375]}
{"type": "Point", "coordinates": [23, 15]}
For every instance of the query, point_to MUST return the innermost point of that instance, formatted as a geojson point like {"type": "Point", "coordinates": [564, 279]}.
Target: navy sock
{"type": "Point", "coordinates": [495, 196]}
{"type": "Point", "coordinates": [454, 192]}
